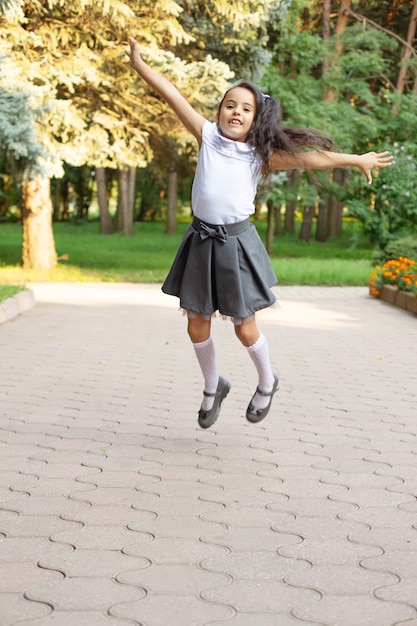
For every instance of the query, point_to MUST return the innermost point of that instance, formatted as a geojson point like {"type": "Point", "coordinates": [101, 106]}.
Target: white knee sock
{"type": "Point", "coordinates": [259, 353]}
{"type": "Point", "coordinates": [206, 356]}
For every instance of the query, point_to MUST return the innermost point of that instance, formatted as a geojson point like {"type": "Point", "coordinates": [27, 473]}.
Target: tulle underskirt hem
{"type": "Point", "coordinates": [237, 321]}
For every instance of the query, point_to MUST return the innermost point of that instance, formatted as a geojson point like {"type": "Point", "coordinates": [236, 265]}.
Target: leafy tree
{"type": "Point", "coordinates": [344, 83]}
{"type": "Point", "coordinates": [234, 32]}
{"type": "Point", "coordinates": [29, 160]}
{"type": "Point", "coordinates": [11, 9]}
{"type": "Point", "coordinates": [88, 108]}
{"type": "Point", "coordinates": [72, 54]}
{"type": "Point", "coordinates": [388, 209]}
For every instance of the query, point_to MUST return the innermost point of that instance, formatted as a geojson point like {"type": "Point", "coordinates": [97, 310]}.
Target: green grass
{"type": "Point", "coordinates": [88, 256]}
{"type": "Point", "coordinates": [7, 291]}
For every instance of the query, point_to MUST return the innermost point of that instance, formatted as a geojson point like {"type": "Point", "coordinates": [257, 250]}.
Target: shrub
{"type": "Point", "coordinates": [403, 246]}
{"type": "Point", "coordinates": [388, 208]}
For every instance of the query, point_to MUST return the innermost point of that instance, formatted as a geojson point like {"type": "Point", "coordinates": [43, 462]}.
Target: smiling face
{"type": "Point", "coordinates": [236, 114]}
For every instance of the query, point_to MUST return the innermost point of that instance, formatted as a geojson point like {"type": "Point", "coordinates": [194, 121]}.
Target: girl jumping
{"type": "Point", "coordinates": [221, 264]}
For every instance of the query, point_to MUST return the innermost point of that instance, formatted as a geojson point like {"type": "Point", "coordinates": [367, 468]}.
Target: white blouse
{"type": "Point", "coordinates": [225, 180]}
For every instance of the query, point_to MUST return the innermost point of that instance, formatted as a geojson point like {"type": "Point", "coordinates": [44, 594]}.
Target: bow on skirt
{"type": "Point", "coordinates": [216, 232]}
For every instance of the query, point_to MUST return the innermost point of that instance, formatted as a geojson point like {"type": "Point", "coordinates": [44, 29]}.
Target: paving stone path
{"type": "Point", "coordinates": [116, 509]}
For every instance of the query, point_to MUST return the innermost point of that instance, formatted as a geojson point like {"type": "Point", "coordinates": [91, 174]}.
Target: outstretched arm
{"type": "Point", "coordinates": [192, 120]}
{"type": "Point", "coordinates": [323, 160]}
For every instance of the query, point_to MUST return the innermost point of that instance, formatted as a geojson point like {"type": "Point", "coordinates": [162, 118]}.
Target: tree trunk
{"type": "Point", "coordinates": [402, 75]}
{"type": "Point", "coordinates": [257, 212]}
{"type": "Point", "coordinates": [289, 218]}
{"type": "Point", "coordinates": [132, 190]}
{"type": "Point", "coordinates": [291, 205]}
{"type": "Point", "coordinates": [328, 94]}
{"type": "Point", "coordinates": [106, 221]}
{"type": "Point", "coordinates": [278, 221]}
{"type": "Point", "coordinates": [335, 206]}
{"type": "Point", "coordinates": [80, 194]}
{"type": "Point", "coordinates": [270, 228]}
{"type": "Point", "coordinates": [307, 225]}
{"type": "Point", "coordinates": [172, 201]}
{"type": "Point", "coordinates": [342, 21]}
{"type": "Point", "coordinates": [118, 216]}
{"type": "Point", "coordinates": [56, 200]}
{"type": "Point", "coordinates": [327, 7]}
{"type": "Point", "coordinates": [124, 208]}
{"type": "Point", "coordinates": [328, 202]}
{"type": "Point", "coordinates": [38, 251]}
{"type": "Point", "coordinates": [323, 218]}
{"type": "Point", "coordinates": [65, 200]}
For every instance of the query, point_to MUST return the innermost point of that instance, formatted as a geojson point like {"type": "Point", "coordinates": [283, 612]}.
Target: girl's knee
{"type": "Point", "coordinates": [248, 334]}
{"type": "Point", "coordinates": [198, 329]}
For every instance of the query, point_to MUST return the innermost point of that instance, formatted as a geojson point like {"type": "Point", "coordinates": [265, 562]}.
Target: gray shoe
{"type": "Point", "coordinates": [207, 418]}
{"type": "Point", "coordinates": [253, 414]}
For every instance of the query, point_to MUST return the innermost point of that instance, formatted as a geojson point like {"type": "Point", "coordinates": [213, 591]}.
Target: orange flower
{"type": "Point", "coordinates": [400, 272]}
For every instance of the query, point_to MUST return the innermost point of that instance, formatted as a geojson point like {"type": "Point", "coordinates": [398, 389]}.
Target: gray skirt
{"type": "Point", "coordinates": [222, 268]}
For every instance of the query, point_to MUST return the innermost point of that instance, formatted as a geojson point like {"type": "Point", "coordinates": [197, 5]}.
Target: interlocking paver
{"type": "Point", "coordinates": [360, 609]}
{"type": "Point", "coordinates": [341, 579]}
{"type": "Point", "coordinates": [160, 609]}
{"type": "Point", "coordinates": [24, 575]}
{"type": "Point", "coordinates": [370, 481]}
{"type": "Point", "coordinates": [47, 505]}
{"type": "Point", "coordinates": [36, 526]}
{"type": "Point", "coordinates": [256, 565]}
{"type": "Point", "coordinates": [83, 618]}
{"type": "Point", "coordinates": [382, 517]}
{"type": "Point", "coordinates": [109, 515]}
{"type": "Point", "coordinates": [321, 528]}
{"type": "Point", "coordinates": [238, 539]}
{"type": "Point", "coordinates": [99, 537]}
{"type": "Point", "coordinates": [107, 563]}
{"type": "Point", "coordinates": [177, 526]}
{"type": "Point", "coordinates": [250, 517]}
{"type": "Point", "coordinates": [313, 507]}
{"type": "Point", "coordinates": [85, 594]}
{"type": "Point", "coordinates": [332, 552]}
{"type": "Point", "coordinates": [15, 609]}
{"type": "Point", "coordinates": [257, 595]}
{"type": "Point", "coordinates": [404, 591]}
{"type": "Point", "coordinates": [173, 579]}
{"type": "Point", "coordinates": [184, 507]}
{"type": "Point", "coordinates": [294, 488]}
{"type": "Point", "coordinates": [115, 508]}
{"type": "Point", "coordinates": [401, 562]}
{"type": "Point", "coordinates": [267, 619]}
{"type": "Point", "coordinates": [404, 540]}
{"type": "Point", "coordinates": [162, 550]}
{"type": "Point", "coordinates": [30, 549]}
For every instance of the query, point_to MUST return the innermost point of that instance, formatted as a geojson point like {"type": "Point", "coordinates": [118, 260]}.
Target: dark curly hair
{"type": "Point", "coordinates": [267, 135]}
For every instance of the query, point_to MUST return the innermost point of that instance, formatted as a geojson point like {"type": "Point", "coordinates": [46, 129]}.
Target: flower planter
{"type": "Point", "coordinates": [403, 299]}
{"type": "Point", "coordinates": [411, 303]}
{"type": "Point", "coordinates": [389, 293]}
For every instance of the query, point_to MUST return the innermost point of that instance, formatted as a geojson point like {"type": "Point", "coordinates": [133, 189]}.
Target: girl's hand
{"type": "Point", "coordinates": [133, 54]}
{"type": "Point", "coordinates": [192, 120]}
{"type": "Point", "coordinates": [368, 161]}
